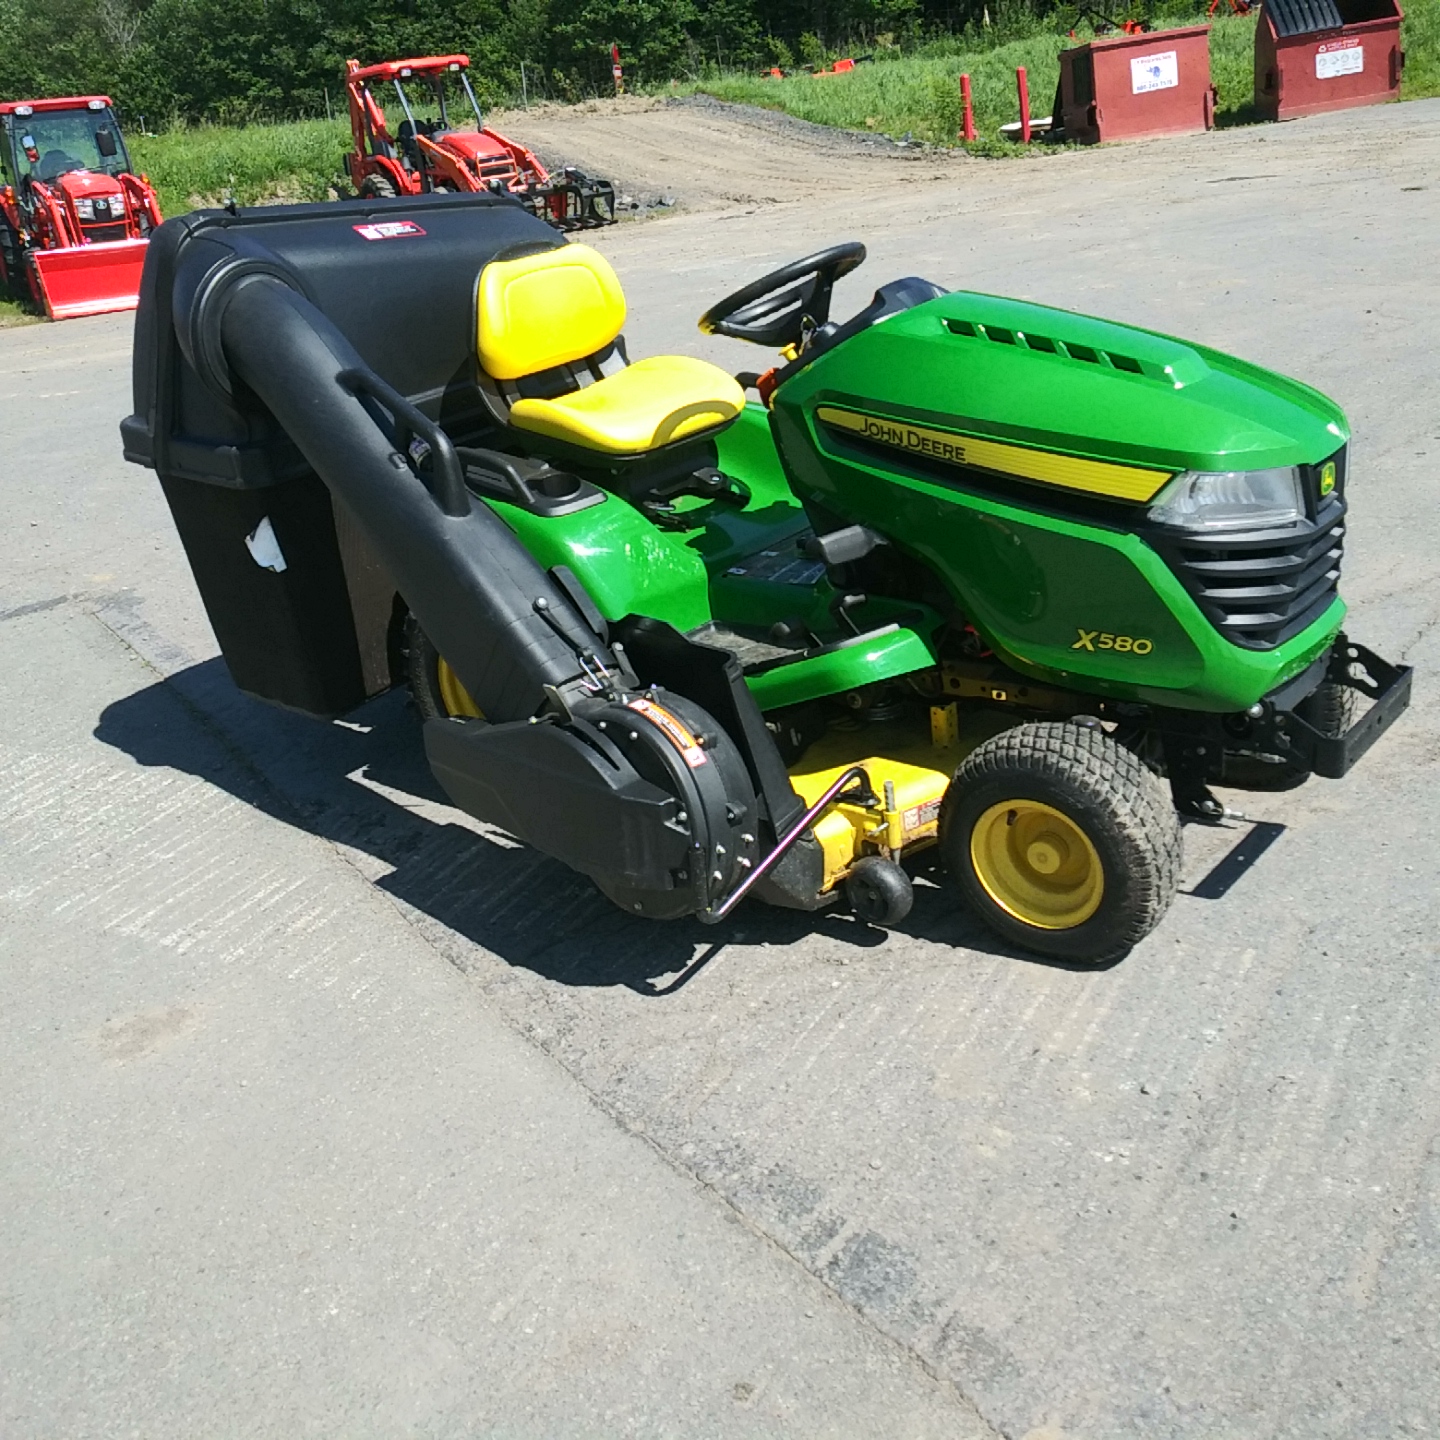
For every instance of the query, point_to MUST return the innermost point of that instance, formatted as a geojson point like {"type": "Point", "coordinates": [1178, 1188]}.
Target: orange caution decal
{"type": "Point", "coordinates": [687, 744]}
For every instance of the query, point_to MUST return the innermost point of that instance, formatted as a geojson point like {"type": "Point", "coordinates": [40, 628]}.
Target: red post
{"type": "Point", "coordinates": [616, 71]}
{"type": "Point", "coordinates": [1024, 89]}
{"type": "Point", "coordinates": [968, 133]}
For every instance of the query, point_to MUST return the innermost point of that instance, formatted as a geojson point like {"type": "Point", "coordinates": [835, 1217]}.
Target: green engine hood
{"type": "Point", "coordinates": [988, 366]}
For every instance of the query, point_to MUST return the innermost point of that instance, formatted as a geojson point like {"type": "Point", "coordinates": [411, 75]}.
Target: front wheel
{"type": "Point", "coordinates": [1330, 708]}
{"type": "Point", "coordinates": [1062, 841]}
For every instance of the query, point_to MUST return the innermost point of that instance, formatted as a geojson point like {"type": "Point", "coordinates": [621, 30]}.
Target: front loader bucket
{"type": "Point", "coordinates": [90, 279]}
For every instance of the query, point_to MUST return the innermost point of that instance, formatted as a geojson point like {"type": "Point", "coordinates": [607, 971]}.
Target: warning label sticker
{"type": "Point", "coordinates": [388, 229]}
{"type": "Point", "coordinates": [1339, 57]}
{"type": "Point", "coordinates": [780, 567]}
{"type": "Point", "coordinates": [1160, 71]}
{"type": "Point", "coordinates": [687, 744]}
{"type": "Point", "coordinates": [921, 816]}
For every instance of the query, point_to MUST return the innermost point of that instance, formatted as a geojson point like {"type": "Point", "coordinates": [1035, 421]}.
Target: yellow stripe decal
{"type": "Point", "coordinates": [1122, 482]}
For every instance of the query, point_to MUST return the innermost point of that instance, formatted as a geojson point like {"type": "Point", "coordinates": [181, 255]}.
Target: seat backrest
{"type": "Point", "coordinates": [544, 310]}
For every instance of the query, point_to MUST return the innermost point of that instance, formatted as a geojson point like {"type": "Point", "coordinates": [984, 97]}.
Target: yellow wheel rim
{"type": "Point", "coordinates": [1037, 864]}
{"type": "Point", "coordinates": [453, 695]}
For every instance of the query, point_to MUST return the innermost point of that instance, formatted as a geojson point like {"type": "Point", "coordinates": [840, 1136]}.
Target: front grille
{"type": "Point", "coordinates": [1260, 589]}
{"type": "Point", "coordinates": [100, 234]}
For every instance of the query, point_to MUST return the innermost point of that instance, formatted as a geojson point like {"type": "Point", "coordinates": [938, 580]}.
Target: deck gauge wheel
{"type": "Point", "coordinates": [879, 891]}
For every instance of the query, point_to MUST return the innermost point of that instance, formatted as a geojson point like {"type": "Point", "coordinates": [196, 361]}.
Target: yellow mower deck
{"type": "Point", "coordinates": [917, 759]}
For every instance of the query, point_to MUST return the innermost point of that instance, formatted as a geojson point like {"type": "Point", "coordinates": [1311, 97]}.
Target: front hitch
{"type": "Point", "coordinates": [1356, 667]}
{"type": "Point", "coordinates": [1193, 745]}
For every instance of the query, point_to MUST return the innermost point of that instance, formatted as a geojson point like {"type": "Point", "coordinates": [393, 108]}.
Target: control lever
{"type": "Point", "coordinates": [842, 605]}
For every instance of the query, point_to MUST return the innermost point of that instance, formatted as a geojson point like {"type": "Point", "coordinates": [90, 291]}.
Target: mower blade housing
{"type": "Point", "coordinates": [90, 279]}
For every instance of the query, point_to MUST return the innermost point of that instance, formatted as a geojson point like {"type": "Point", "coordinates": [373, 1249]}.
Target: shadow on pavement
{"type": "Point", "coordinates": [363, 784]}
{"type": "Point", "coordinates": [1237, 861]}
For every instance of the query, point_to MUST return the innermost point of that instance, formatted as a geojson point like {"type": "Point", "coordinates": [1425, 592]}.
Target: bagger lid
{"type": "Point", "coordinates": [397, 278]}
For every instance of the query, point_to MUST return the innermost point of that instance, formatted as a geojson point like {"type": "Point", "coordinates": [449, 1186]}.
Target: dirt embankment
{"type": "Point", "coordinates": [704, 154]}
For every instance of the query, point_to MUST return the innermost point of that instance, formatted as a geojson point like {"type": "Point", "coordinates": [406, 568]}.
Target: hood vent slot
{"type": "Point", "coordinates": [1022, 339]}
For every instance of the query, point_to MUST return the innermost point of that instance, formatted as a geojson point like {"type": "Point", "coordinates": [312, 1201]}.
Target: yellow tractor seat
{"type": "Point", "coordinates": [644, 406]}
{"type": "Point", "coordinates": [560, 311]}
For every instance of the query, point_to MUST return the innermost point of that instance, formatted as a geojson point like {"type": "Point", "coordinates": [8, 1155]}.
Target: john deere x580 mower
{"type": "Point", "coordinates": [969, 574]}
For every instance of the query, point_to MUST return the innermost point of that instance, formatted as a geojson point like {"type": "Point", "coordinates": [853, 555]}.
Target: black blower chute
{"type": "Point", "coordinates": [290, 373]}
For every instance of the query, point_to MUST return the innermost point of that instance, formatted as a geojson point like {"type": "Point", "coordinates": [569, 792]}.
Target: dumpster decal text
{"type": "Point", "coordinates": [1339, 57]}
{"type": "Point", "coordinates": [1154, 72]}
{"type": "Point", "coordinates": [1098, 477]}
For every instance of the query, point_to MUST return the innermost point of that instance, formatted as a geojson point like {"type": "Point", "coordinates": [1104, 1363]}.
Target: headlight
{"type": "Point", "coordinates": [85, 209]}
{"type": "Point", "coordinates": [1210, 500]}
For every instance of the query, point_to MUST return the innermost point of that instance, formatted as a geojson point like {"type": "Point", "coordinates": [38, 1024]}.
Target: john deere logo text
{"type": "Point", "coordinates": [1073, 472]}
{"type": "Point", "coordinates": [923, 442]}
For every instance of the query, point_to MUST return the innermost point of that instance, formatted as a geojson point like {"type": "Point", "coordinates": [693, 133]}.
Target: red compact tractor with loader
{"type": "Point", "coordinates": [75, 218]}
{"type": "Point", "coordinates": [443, 143]}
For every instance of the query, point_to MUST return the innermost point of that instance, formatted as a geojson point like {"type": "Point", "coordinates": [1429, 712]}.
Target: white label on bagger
{"type": "Point", "coordinates": [387, 229]}
{"type": "Point", "coordinates": [1339, 57]}
{"type": "Point", "coordinates": [264, 548]}
{"type": "Point", "coordinates": [1154, 72]}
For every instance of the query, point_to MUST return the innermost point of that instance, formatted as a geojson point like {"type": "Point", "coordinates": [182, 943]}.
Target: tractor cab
{"type": "Point", "coordinates": [44, 143]}
{"type": "Point", "coordinates": [69, 187]}
{"type": "Point", "coordinates": [76, 155]}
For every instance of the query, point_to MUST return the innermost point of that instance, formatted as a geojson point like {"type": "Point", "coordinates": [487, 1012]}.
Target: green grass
{"type": "Point", "coordinates": [920, 96]}
{"type": "Point", "coordinates": [1420, 36]}
{"type": "Point", "coordinates": [12, 313]}
{"type": "Point", "coordinates": [208, 164]}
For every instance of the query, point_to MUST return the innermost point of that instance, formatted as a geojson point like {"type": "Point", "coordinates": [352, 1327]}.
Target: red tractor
{"type": "Point", "coordinates": [432, 149]}
{"type": "Point", "coordinates": [74, 217]}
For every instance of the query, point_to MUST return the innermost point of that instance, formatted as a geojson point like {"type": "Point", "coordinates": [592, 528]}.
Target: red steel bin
{"type": "Point", "coordinates": [1317, 55]}
{"type": "Point", "coordinates": [1130, 87]}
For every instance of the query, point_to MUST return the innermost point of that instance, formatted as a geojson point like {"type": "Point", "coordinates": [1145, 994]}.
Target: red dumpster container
{"type": "Point", "coordinates": [1130, 87]}
{"type": "Point", "coordinates": [1316, 55]}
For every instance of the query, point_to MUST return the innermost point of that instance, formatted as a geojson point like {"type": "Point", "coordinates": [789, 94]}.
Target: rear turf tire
{"type": "Point", "coordinates": [434, 686]}
{"type": "Point", "coordinates": [377, 187]}
{"type": "Point", "coordinates": [11, 256]}
{"type": "Point", "coordinates": [1062, 841]}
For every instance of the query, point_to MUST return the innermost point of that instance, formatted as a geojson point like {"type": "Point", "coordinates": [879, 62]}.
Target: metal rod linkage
{"type": "Point", "coordinates": [713, 914]}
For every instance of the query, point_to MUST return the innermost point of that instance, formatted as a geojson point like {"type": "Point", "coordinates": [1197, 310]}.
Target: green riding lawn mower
{"type": "Point", "coordinates": [965, 573]}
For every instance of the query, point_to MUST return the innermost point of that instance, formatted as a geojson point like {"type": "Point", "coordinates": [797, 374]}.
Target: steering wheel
{"type": "Point", "coordinates": [774, 309]}
{"type": "Point", "coordinates": [55, 163]}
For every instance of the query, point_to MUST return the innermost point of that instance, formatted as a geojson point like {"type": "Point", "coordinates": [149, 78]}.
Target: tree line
{"type": "Point", "coordinates": [240, 60]}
